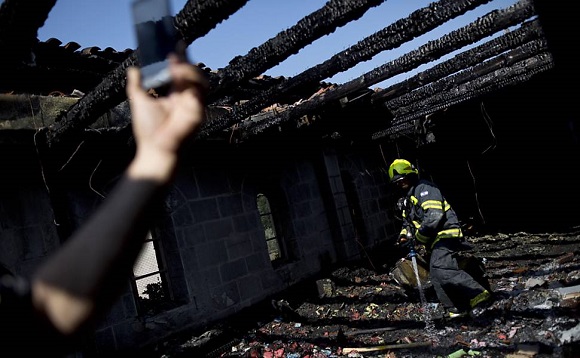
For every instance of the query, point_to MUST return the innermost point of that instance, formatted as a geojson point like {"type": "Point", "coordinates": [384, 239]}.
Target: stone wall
{"type": "Point", "coordinates": [215, 246]}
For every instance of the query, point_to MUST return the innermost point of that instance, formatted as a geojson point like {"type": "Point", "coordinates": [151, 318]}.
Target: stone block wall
{"type": "Point", "coordinates": [220, 246]}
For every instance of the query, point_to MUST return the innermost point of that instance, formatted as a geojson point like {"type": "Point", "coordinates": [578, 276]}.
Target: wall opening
{"type": "Point", "coordinates": [267, 217]}
{"type": "Point", "coordinates": [150, 278]}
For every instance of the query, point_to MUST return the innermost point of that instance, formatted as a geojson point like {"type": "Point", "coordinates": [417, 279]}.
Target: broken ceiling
{"type": "Point", "coordinates": [257, 105]}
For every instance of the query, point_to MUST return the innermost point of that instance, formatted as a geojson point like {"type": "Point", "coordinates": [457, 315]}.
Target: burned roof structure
{"type": "Point", "coordinates": [514, 57]}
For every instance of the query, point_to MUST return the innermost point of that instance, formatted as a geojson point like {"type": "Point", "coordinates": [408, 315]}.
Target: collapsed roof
{"type": "Point", "coordinates": [521, 51]}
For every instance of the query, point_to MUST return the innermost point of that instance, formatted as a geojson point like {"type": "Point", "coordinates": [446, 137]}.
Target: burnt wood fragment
{"type": "Point", "coordinates": [507, 76]}
{"type": "Point", "coordinates": [481, 80]}
{"type": "Point", "coordinates": [403, 105]}
{"type": "Point", "coordinates": [334, 14]}
{"type": "Point", "coordinates": [197, 18]}
{"type": "Point", "coordinates": [484, 26]}
{"type": "Point", "coordinates": [392, 36]}
{"type": "Point", "coordinates": [527, 32]}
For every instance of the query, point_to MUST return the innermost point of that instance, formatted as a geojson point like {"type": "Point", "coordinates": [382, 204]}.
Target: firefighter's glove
{"type": "Point", "coordinates": [406, 242]}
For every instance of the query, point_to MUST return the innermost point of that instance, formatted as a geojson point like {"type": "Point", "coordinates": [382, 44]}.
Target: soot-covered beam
{"type": "Point", "coordinates": [507, 76]}
{"type": "Point", "coordinates": [401, 106]}
{"type": "Point", "coordinates": [197, 18]}
{"type": "Point", "coordinates": [392, 36]}
{"type": "Point", "coordinates": [484, 26]}
{"type": "Point", "coordinates": [334, 14]}
{"type": "Point", "coordinates": [529, 31]}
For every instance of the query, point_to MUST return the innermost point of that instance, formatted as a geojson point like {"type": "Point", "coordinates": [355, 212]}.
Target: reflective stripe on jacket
{"type": "Point", "coordinates": [429, 214]}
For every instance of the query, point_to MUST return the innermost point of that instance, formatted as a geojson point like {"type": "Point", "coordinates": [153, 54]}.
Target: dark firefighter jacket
{"type": "Point", "coordinates": [428, 215]}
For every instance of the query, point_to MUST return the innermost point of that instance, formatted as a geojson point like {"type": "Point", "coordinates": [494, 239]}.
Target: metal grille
{"type": "Point", "coordinates": [146, 269]}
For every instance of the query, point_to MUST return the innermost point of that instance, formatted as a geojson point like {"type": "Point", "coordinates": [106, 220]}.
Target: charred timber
{"type": "Point", "coordinates": [198, 17]}
{"type": "Point", "coordinates": [484, 26]}
{"type": "Point", "coordinates": [334, 14]}
{"type": "Point", "coordinates": [19, 24]}
{"type": "Point", "coordinates": [454, 89]}
{"type": "Point", "coordinates": [201, 15]}
{"type": "Point", "coordinates": [418, 23]}
{"type": "Point", "coordinates": [108, 93]}
{"type": "Point", "coordinates": [527, 32]}
{"type": "Point", "coordinates": [401, 106]}
{"type": "Point", "coordinates": [508, 76]}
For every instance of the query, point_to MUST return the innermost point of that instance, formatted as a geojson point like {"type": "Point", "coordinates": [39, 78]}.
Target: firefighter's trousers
{"type": "Point", "coordinates": [453, 286]}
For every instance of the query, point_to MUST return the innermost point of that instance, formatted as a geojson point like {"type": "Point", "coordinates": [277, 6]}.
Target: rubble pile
{"type": "Point", "coordinates": [362, 311]}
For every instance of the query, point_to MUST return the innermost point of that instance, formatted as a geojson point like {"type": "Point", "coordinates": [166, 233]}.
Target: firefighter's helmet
{"type": "Point", "coordinates": [400, 168]}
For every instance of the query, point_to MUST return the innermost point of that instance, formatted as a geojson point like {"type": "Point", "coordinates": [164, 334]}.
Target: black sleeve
{"type": "Point", "coordinates": [98, 259]}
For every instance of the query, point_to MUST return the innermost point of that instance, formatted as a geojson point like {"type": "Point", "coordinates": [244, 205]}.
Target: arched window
{"type": "Point", "coordinates": [270, 231]}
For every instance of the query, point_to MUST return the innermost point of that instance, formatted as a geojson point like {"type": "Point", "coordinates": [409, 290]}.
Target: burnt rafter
{"type": "Point", "coordinates": [517, 73]}
{"type": "Point", "coordinates": [19, 24]}
{"type": "Point", "coordinates": [402, 105]}
{"type": "Point", "coordinates": [484, 26]}
{"type": "Point", "coordinates": [527, 32]}
{"type": "Point", "coordinates": [480, 84]}
{"type": "Point", "coordinates": [198, 17]}
{"type": "Point", "coordinates": [392, 36]}
{"type": "Point", "coordinates": [334, 14]}
{"type": "Point", "coordinates": [106, 95]}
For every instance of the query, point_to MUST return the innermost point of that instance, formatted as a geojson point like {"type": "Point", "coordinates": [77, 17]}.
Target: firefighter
{"type": "Point", "coordinates": [432, 222]}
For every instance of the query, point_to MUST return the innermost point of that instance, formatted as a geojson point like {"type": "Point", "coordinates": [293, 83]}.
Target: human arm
{"type": "Point", "coordinates": [85, 276]}
{"type": "Point", "coordinates": [431, 202]}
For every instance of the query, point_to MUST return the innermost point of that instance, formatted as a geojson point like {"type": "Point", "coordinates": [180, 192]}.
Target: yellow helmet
{"type": "Point", "coordinates": [400, 168]}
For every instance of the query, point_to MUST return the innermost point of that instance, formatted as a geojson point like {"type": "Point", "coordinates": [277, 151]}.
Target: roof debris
{"type": "Point", "coordinates": [362, 312]}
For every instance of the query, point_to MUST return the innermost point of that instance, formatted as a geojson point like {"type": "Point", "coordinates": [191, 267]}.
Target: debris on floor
{"type": "Point", "coordinates": [361, 312]}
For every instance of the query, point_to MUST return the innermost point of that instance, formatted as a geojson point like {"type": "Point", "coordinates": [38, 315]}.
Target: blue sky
{"type": "Point", "coordinates": [107, 23]}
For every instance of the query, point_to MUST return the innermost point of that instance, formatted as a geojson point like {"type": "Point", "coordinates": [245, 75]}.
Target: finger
{"type": "Point", "coordinates": [133, 82]}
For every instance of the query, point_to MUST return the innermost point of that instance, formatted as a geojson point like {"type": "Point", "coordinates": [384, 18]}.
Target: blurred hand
{"type": "Point", "coordinates": [161, 125]}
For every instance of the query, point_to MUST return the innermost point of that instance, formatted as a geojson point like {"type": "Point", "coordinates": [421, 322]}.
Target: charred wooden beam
{"type": "Point", "coordinates": [198, 18]}
{"type": "Point", "coordinates": [484, 26]}
{"type": "Point", "coordinates": [19, 24]}
{"type": "Point", "coordinates": [527, 32]}
{"type": "Point", "coordinates": [334, 14]}
{"type": "Point", "coordinates": [421, 101]}
{"type": "Point", "coordinates": [107, 94]}
{"type": "Point", "coordinates": [401, 106]}
{"type": "Point", "coordinates": [507, 76]}
{"type": "Point", "coordinates": [392, 36]}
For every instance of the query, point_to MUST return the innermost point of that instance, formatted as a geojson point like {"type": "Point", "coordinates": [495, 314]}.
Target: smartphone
{"type": "Point", "coordinates": [156, 38]}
